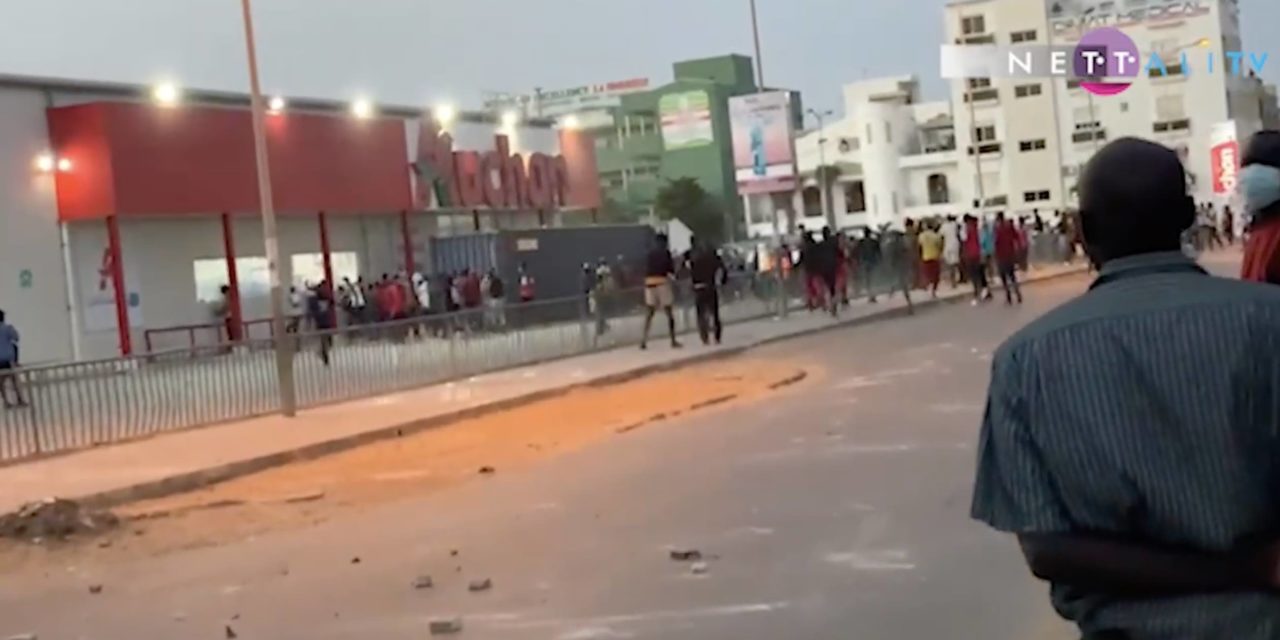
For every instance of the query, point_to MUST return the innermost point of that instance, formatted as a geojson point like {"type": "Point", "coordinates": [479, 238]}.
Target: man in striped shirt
{"type": "Point", "coordinates": [1132, 436]}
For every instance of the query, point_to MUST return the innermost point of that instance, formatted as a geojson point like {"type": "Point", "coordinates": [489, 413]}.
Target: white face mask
{"type": "Point", "coordinates": [1260, 185]}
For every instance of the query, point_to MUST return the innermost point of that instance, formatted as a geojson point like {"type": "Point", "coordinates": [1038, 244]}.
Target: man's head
{"type": "Point", "coordinates": [1133, 200]}
{"type": "Point", "coordinates": [1260, 174]}
{"type": "Point", "coordinates": [999, 216]}
{"type": "Point", "coordinates": [1, 316]}
{"type": "Point", "coordinates": [661, 240]}
{"type": "Point", "coordinates": [826, 233]}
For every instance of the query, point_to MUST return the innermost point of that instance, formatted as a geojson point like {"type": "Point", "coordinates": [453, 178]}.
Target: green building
{"type": "Point", "coordinates": [677, 130]}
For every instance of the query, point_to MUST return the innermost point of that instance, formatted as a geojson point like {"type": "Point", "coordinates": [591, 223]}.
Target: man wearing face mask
{"type": "Point", "coordinates": [1260, 184]}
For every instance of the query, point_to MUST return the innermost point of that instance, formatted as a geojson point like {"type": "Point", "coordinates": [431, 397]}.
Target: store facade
{"type": "Point", "coordinates": [122, 217]}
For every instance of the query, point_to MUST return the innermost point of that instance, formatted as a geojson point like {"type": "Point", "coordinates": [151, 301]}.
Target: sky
{"type": "Point", "coordinates": [432, 51]}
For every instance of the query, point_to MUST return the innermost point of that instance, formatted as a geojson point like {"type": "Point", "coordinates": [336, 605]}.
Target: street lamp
{"type": "Point", "coordinates": [821, 117]}
{"type": "Point", "coordinates": [270, 235]}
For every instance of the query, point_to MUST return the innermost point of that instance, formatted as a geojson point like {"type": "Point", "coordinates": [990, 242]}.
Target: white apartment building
{"type": "Point", "coordinates": [1018, 145]}
{"type": "Point", "coordinates": [889, 157]}
{"type": "Point", "coordinates": [1032, 136]}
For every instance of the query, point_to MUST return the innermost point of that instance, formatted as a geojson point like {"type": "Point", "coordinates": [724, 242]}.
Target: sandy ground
{"type": "Point", "coordinates": [309, 493]}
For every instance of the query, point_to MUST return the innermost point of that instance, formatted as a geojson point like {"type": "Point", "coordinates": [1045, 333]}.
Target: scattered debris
{"type": "Point", "coordinates": [303, 497]}
{"type": "Point", "coordinates": [235, 617]}
{"type": "Point", "coordinates": [231, 633]}
{"type": "Point", "coordinates": [484, 584]}
{"type": "Point", "coordinates": [445, 626]}
{"type": "Point", "coordinates": [355, 560]}
{"type": "Point", "coordinates": [139, 532]}
{"type": "Point", "coordinates": [698, 568]}
{"type": "Point", "coordinates": [104, 544]}
{"type": "Point", "coordinates": [686, 555]}
{"type": "Point", "coordinates": [54, 518]}
{"type": "Point", "coordinates": [714, 401]}
{"type": "Point", "coordinates": [423, 582]}
{"type": "Point", "coordinates": [453, 553]}
{"type": "Point", "coordinates": [95, 589]}
{"type": "Point", "coordinates": [487, 471]}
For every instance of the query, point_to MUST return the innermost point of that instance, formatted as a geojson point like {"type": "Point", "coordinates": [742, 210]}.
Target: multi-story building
{"type": "Point", "coordinates": [1026, 139]}
{"type": "Point", "coordinates": [677, 130]}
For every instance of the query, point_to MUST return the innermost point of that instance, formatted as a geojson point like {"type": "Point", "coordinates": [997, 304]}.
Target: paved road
{"type": "Point", "coordinates": [836, 510]}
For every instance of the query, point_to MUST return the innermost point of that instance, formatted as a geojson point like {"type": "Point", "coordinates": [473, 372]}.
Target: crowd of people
{"type": "Point", "coordinates": [921, 255]}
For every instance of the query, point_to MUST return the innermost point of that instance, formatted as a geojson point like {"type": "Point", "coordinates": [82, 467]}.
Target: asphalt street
{"type": "Point", "coordinates": [835, 509]}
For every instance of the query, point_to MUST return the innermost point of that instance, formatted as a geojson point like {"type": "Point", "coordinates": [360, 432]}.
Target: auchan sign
{"type": "Point", "coordinates": [494, 179]}
{"type": "Point", "coordinates": [1224, 158]}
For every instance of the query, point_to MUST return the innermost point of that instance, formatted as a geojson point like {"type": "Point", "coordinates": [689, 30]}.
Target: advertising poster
{"type": "Point", "coordinates": [763, 142]}
{"type": "Point", "coordinates": [686, 120]}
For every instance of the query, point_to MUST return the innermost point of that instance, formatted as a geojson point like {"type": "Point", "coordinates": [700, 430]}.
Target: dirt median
{"type": "Point", "coordinates": [306, 493]}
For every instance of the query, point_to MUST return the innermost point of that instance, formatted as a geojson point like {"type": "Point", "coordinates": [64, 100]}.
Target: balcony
{"type": "Point", "coordinates": [979, 38]}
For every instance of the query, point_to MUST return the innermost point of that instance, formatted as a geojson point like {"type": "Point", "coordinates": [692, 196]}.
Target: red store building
{"type": "Point", "coordinates": [122, 214]}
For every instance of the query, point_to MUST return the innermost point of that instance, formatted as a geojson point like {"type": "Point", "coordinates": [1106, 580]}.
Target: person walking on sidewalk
{"type": "Point", "coordinates": [659, 292]}
{"type": "Point", "coordinates": [1129, 439]}
{"type": "Point", "coordinates": [931, 245]}
{"type": "Point", "coordinates": [951, 251]}
{"type": "Point", "coordinates": [9, 340]}
{"type": "Point", "coordinates": [707, 272]}
{"type": "Point", "coordinates": [1006, 255]}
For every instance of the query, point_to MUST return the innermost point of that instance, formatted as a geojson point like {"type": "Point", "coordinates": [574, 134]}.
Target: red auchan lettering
{"type": "Point", "coordinates": [494, 179]}
{"type": "Point", "coordinates": [1226, 167]}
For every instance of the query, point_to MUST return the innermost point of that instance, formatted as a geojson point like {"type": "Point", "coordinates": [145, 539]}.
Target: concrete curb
{"type": "Point", "coordinates": [186, 482]}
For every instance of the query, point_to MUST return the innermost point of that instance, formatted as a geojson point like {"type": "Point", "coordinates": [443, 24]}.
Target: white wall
{"type": "Point", "coordinates": [29, 234]}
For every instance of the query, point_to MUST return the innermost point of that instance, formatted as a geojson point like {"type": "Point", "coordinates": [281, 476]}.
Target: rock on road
{"type": "Point", "coordinates": [836, 509]}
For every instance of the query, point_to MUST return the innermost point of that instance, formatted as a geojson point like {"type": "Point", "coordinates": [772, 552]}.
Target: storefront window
{"type": "Point", "coordinates": [211, 276]}
{"type": "Point", "coordinates": [308, 268]}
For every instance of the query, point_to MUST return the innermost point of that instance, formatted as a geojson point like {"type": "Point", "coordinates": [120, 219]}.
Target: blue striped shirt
{"type": "Point", "coordinates": [1147, 409]}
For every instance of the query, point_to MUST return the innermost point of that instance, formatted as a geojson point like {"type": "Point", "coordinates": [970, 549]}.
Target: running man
{"type": "Point", "coordinates": [1129, 439]}
{"type": "Point", "coordinates": [972, 257]}
{"type": "Point", "coordinates": [659, 293]}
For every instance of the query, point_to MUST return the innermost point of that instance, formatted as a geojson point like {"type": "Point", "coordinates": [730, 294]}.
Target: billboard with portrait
{"type": "Point", "coordinates": [764, 158]}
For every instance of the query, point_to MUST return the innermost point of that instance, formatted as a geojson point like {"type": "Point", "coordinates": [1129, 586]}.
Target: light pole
{"type": "Point", "coordinates": [821, 117]}
{"type": "Point", "coordinates": [270, 236]}
{"type": "Point", "coordinates": [755, 35]}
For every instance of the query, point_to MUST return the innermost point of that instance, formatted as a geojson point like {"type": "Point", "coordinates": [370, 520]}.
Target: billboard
{"type": "Point", "coordinates": [686, 120]}
{"type": "Point", "coordinates": [558, 102]}
{"type": "Point", "coordinates": [1224, 158]}
{"type": "Point", "coordinates": [764, 158]}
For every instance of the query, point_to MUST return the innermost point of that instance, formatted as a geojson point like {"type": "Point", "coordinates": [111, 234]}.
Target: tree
{"type": "Point", "coordinates": [684, 199]}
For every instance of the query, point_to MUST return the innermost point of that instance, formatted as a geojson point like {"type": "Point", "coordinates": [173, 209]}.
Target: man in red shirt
{"type": "Point", "coordinates": [1008, 244]}
{"type": "Point", "coordinates": [971, 253]}
{"type": "Point", "coordinates": [1260, 184]}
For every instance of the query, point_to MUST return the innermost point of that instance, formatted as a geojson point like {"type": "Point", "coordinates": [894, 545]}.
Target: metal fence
{"type": "Point", "coordinates": [71, 406]}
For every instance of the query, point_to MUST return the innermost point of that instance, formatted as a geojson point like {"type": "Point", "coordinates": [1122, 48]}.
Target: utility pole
{"type": "Point", "coordinates": [270, 235]}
